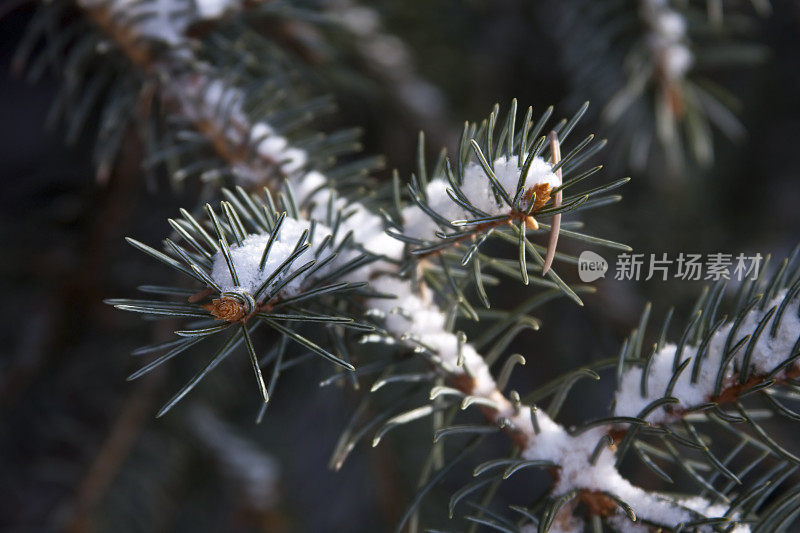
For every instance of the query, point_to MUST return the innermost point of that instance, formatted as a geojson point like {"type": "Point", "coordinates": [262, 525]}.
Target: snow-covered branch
{"type": "Point", "coordinates": [260, 266]}
{"type": "Point", "coordinates": [154, 37]}
{"type": "Point", "coordinates": [478, 198]}
{"type": "Point", "coordinates": [741, 354]}
{"type": "Point", "coordinates": [579, 465]}
{"type": "Point", "coordinates": [667, 39]}
{"type": "Point", "coordinates": [148, 23]}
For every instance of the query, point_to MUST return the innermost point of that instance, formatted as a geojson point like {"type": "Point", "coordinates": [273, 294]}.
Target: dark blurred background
{"type": "Point", "coordinates": [80, 449]}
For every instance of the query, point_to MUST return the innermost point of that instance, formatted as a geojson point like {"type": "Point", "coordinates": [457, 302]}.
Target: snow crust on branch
{"type": "Point", "coordinates": [421, 323]}
{"type": "Point", "coordinates": [216, 102]}
{"type": "Point", "coordinates": [767, 353]}
{"type": "Point", "coordinates": [477, 188]}
{"type": "Point", "coordinates": [315, 190]}
{"type": "Point", "coordinates": [256, 149]}
{"type": "Point", "coordinates": [209, 100]}
{"type": "Point", "coordinates": [247, 258]}
{"type": "Point", "coordinates": [162, 21]}
{"type": "Point", "coordinates": [667, 38]}
{"type": "Point", "coordinates": [213, 9]}
{"type": "Point", "coordinates": [573, 454]}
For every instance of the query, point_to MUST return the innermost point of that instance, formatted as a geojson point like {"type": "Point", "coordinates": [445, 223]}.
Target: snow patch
{"type": "Point", "coordinates": [247, 259]}
{"type": "Point", "coordinates": [768, 352]}
{"type": "Point", "coordinates": [667, 38]}
{"type": "Point", "coordinates": [477, 188]}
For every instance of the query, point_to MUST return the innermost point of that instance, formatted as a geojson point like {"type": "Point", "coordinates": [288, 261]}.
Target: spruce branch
{"type": "Point", "coordinates": [253, 266]}
{"type": "Point", "coordinates": [581, 465]}
{"type": "Point", "coordinates": [174, 73]}
{"type": "Point", "coordinates": [307, 257]}
{"type": "Point", "coordinates": [499, 187]}
{"type": "Point", "coordinates": [667, 53]}
{"type": "Point", "coordinates": [584, 468]}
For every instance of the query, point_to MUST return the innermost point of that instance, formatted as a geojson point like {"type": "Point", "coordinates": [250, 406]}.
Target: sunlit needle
{"type": "Point", "coordinates": [555, 150]}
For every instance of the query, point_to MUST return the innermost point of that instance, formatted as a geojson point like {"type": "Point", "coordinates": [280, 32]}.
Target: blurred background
{"type": "Point", "coordinates": [80, 448]}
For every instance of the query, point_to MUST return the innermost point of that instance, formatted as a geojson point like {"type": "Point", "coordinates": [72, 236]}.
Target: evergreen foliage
{"type": "Point", "coordinates": [294, 254]}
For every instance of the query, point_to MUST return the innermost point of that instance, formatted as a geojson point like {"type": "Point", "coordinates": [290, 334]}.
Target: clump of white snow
{"type": "Point", "coordinates": [212, 9]}
{"type": "Point", "coordinates": [164, 21]}
{"type": "Point", "coordinates": [573, 454]}
{"type": "Point", "coordinates": [276, 148]}
{"type": "Point", "coordinates": [368, 228]}
{"type": "Point", "coordinates": [767, 353]}
{"type": "Point", "coordinates": [423, 322]}
{"type": "Point", "coordinates": [247, 258]}
{"type": "Point", "coordinates": [477, 188]}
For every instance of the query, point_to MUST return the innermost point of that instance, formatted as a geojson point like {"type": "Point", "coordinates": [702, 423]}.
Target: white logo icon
{"type": "Point", "coordinates": [591, 266]}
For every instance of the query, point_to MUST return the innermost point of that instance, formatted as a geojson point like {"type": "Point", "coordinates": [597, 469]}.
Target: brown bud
{"type": "Point", "coordinates": [531, 223]}
{"type": "Point", "coordinates": [225, 308]}
{"type": "Point", "coordinates": [542, 192]}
